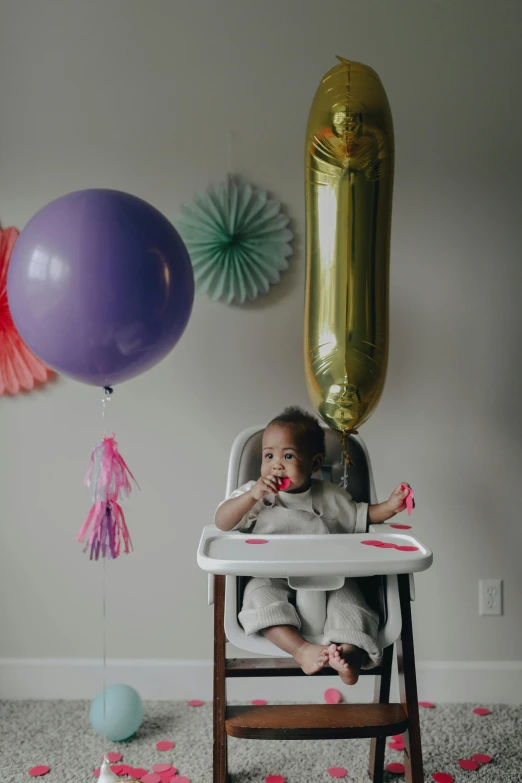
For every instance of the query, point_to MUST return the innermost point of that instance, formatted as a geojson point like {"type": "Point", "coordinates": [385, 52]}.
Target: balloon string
{"type": "Point", "coordinates": [230, 148]}
{"type": "Point", "coordinates": [104, 643]}
{"type": "Point", "coordinates": [107, 391]}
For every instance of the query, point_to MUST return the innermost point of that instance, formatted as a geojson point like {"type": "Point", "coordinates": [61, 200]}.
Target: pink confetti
{"type": "Point", "coordinates": [36, 772]}
{"type": "Point", "coordinates": [152, 777]}
{"type": "Point", "coordinates": [161, 767]}
{"type": "Point", "coordinates": [482, 758]}
{"type": "Point", "coordinates": [138, 772]}
{"type": "Point", "coordinates": [395, 768]}
{"type": "Point", "coordinates": [195, 703]}
{"type": "Point", "coordinates": [396, 745]}
{"type": "Point", "coordinates": [388, 545]}
{"type": "Point", "coordinates": [166, 777]}
{"type": "Point", "coordinates": [126, 770]}
{"type": "Point", "coordinates": [164, 745]}
{"type": "Point", "coordinates": [407, 548]}
{"type": "Point", "coordinates": [401, 527]}
{"type": "Point", "coordinates": [275, 779]}
{"type": "Point", "coordinates": [117, 769]}
{"type": "Point", "coordinates": [333, 696]}
{"type": "Point", "coordinates": [482, 711]}
{"type": "Point", "coordinates": [468, 764]}
{"type": "Point", "coordinates": [338, 772]}
{"type": "Point", "coordinates": [428, 705]}
{"type": "Point", "coordinates": [113, 757]}
{"type": "Point", "coordinates": [96, 772]}
{"type": "Point", "coordinates": [259, 702]}
{"type": "Point", "coordinates": [256, 541]}
{"type": "Point", "coordinates": [181, 779]}
{"type": "Point", "coordinates": [371, 542]}
{"type": "Point", "coordinates": [398, 738]}
{"type": "Point", "coordinates": [442, 777]}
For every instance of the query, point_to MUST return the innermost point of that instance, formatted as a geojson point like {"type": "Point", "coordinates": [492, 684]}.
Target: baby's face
{"type": "Point", "coordinates": [285, 457]}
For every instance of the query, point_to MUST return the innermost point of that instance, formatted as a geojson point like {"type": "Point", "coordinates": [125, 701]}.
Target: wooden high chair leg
{"type": "Point", "coordinates": [408, 687]}
{"type": "Point", "coordinates": [381, 696]}
{"type": "Point", "coordinates": [220, 762]}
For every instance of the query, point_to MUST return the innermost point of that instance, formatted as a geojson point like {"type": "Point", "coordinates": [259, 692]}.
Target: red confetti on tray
{"type": "Point", "coordinates": [41, 769]}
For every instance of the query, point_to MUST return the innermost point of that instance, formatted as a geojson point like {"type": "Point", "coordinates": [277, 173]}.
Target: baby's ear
{"type": "Point", "coordinates": [317, 461]}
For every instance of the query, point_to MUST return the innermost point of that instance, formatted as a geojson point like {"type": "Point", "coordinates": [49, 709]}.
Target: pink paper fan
{"type": "Point", "coordinates": [19, 368]}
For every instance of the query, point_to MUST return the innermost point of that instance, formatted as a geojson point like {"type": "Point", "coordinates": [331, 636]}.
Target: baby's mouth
{"type": "Point", "coordinates": [283, 483]}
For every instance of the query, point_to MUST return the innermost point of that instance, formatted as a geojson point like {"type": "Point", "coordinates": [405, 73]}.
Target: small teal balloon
{"type": "Point", "coordinates": [123, 712]}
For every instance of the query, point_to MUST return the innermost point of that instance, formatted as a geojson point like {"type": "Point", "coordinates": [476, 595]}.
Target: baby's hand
{"type": "Point", "coordinates": [397, 501]}
{"type": "Point", "coordinates": [265, 485]}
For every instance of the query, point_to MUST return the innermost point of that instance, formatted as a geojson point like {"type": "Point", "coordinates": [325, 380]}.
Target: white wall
{"type": "Point", "coordinates": [139, 96]}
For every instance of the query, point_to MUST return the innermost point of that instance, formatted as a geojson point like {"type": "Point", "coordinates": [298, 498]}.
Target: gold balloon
{"type": "Point", "coordinates": [349, 180]}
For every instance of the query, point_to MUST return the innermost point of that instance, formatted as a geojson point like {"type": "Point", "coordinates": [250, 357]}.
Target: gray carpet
{"type": "Point", "coordinates": [58, 734]}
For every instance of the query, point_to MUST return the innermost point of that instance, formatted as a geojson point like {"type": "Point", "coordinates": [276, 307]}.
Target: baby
{"type": "Point", "coordinates": [285, 499]}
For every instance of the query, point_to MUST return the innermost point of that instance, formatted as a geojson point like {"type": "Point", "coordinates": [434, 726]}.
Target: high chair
{"type": "Point", "coordinates": [314, 565]}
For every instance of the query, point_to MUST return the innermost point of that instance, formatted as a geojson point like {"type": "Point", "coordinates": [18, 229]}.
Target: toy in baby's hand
{"type": "Point", "coordinates": [409, 498]}
{"type": "Point", "coordinates": [283, 483]}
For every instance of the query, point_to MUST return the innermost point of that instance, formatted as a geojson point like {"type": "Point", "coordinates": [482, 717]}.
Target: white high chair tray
{"type": "Point", "coordinates": [227, 553]}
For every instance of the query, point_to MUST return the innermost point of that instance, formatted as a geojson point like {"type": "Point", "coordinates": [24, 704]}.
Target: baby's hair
{"type": "Point", "coordinates": [306, 426]}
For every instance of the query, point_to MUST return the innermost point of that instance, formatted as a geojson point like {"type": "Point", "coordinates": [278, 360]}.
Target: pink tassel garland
{"type": "Point", "coordinates": [111, 478]}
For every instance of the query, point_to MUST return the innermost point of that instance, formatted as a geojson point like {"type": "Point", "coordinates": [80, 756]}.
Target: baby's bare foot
{"type": "Point", "coordinates": [311, 657]}
{"type": "Point", "coordinates": [346, 659]}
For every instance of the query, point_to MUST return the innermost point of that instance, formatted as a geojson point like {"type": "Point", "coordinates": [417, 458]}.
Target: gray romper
{"type": "Point", "coordinates": [268, 602]}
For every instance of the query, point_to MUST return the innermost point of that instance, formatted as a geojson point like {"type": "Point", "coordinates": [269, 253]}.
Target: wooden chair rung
{"type": "Point", "coordinates": [277, 667]}
{"type": "Point", "coordinates": [315, 721]}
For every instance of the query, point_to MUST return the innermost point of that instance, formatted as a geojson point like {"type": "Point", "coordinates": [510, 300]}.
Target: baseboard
{"type": "Point", "coordinates": [487, 682]}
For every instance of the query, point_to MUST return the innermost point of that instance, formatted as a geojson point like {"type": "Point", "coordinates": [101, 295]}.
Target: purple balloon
{"type": "Point", "coordinates": [100, 286]}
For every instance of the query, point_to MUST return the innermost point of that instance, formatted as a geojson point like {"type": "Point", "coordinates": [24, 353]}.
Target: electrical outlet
{"type": "Point", "coordinates": [490, 596]}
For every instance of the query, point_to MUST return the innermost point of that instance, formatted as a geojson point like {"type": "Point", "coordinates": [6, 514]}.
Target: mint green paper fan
{"type": "Point", "coordinates": [238, 241]}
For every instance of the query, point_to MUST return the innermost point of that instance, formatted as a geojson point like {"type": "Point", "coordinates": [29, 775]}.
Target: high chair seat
{"type": "Point", "coordinates": [313, 565]}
